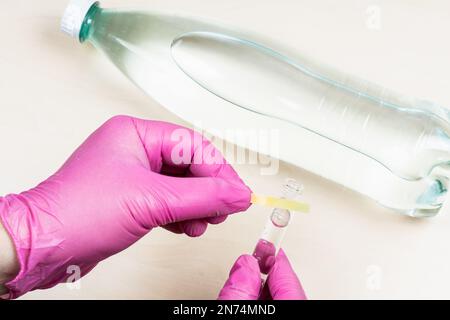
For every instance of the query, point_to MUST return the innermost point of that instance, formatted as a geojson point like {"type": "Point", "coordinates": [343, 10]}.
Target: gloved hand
{"type": "Point", "coordinates": [126, 178]}
{"type": "Point", "coordinates": [244, 282]}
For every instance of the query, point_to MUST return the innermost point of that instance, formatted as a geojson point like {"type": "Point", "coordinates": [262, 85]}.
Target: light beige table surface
{"type": "Point", "coordinates": [54, 92]}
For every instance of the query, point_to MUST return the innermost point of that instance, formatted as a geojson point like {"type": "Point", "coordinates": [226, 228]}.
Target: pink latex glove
{"type": "Point", "coordinates": [244, 282]}
{"type": "Point", "coordinates": [123, 181]}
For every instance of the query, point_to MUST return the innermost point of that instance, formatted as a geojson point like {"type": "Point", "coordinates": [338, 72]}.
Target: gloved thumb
{"type": "Point", "coordinates": [244, 282]}
{"type": "Point", "coordinates": [193, 198]}
{"type": "Point", "coordinates": [282, 281]}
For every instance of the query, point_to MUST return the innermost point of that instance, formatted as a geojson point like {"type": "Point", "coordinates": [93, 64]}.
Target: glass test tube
{"type": "Point", "coordinates": [275, 229]}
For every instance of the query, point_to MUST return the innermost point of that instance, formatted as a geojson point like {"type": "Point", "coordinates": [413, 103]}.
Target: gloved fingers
{"type": "Point", "coordinates": [244, 282]}
{"type": "Point", "coordinates": [187, 199]}
{"type": "Point", "coordinates": [178, 151]}
{"type": "Point", "coordinates": [217, 220]}
{"type": "Point", "coordinates": [282, 281]}
{"type": "Point", "coordinates": [170, 148]}
{"type": "Point", "coordinates": [194, 228]}
{"type": "Point", "coordinates": [173, 227]}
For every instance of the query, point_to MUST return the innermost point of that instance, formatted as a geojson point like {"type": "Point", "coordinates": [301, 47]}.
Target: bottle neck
{"type": "Point", "coordinates": [88, 26]}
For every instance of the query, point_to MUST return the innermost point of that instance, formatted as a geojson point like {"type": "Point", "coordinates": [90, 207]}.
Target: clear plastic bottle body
{"type": "Point", "coordinates": [403, 144]}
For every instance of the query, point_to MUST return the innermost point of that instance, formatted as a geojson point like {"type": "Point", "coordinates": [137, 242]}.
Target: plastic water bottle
{"type": "Point", "coordinates": [392, 149]}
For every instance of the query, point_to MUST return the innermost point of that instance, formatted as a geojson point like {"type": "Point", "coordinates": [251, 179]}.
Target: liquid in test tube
{"type": "Point", "coordinates": [275, 229]}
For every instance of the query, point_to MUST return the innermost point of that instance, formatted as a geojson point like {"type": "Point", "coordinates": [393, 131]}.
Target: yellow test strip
{"type": "Point", "coordinates": [274, 202]}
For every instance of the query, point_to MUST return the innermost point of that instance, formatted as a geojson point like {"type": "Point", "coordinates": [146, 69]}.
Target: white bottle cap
{"type": "Point", "coordinates": [74, 15]}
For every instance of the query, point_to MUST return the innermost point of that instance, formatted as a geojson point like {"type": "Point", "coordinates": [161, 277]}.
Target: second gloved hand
{"type": "Point", "coordinates": [244, 282]}
{"type": "Point", "coordinates": [128, 177]}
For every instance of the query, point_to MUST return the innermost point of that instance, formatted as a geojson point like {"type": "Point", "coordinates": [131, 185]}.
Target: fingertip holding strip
{"type": "Point", "coordinates": [274, 202]}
